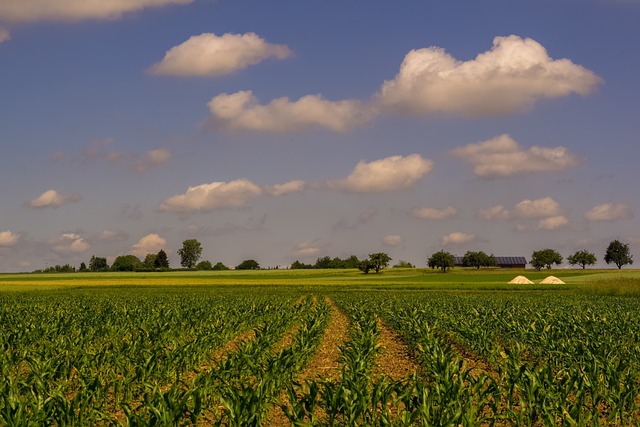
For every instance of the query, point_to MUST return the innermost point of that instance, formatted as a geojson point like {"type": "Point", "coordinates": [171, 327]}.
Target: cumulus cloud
{"type": "Point", "coordinates": [543, 207]}
{"type": "Point", "coordinates": [392, 240]}
{"type": "Point", "coordinates": [69, 243]}
{"type": "Point", "coordinates": [457, 238]}
{"type": "Point", "coordinates": [151, 243]}
{"type": "Point", "coordinates": [8, 238]}
{"type": "Point", "coordinates": [432, 213]}
{"type": "Point", "coordinates": [211, 55]}
{"type": "Point", "coordinates": [610, 212]}
{"type": "Point", "coordinates": [510, 77]}
{"type": "Point", "coordinates": [5, 35]}
{"type": "Point", "coordinates": [241, 111]}
{"type": "Point", "coordinates": [209, 197]}
{"type": "Point", "coordinates": [553, 223]}
{"type": "Point", "coordinates": [294, 186]}
{"type": "Point", "coordinates": [152, 158]}
{"type": "Point", "coordinates": [74, 10]}
{"type": "Point", "coordinates": [52, 199]}
{"type": "Point", "coordinates": [502, 157]}
{"type": "Point", "coordinates": [308, 249]}
{"type": "Point", "coordinates": [539, 208]}
{"type": "Point", "coordinates": [391, 173]}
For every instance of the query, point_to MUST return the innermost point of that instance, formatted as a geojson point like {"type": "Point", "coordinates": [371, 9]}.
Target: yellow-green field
{"type": "Point", "coordinates": [418, 277]}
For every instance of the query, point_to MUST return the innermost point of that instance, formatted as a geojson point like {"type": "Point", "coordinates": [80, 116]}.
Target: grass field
{"type": "Point", "coordinates": [336, 348]}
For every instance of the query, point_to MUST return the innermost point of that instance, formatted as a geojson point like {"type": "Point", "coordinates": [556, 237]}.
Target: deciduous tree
{"type": "Point", "coordinates": [98, 264]}
{"type": "Point", "coordinates": [582, 258]}
{"type": "Point", "coordinates": [248, 264]}
{"type": "Point", "coordinates": [545, 258]}
{"type": "Point", "coordinates": [379, 260]}
{"type": "Point", "coordinates": [190, 253]}
{"type": "Point", "coordinates": [442, 260]}
{"type": "Point", "coordinates": [478, 259]}
{"type": "Point", "coordinates": [618, 254]}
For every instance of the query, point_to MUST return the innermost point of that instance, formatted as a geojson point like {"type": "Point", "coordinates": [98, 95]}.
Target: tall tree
{"type": "Point", "coordinates": [190, 253]}
{"type": "Point", "coordinates": [545, 258]}
{"type": "Point", "coordinates": [442, 260]}
{"type": "Point", "coordinates": [582, 258]}
{"type": "Point", "coordinates": [161, 261]}
{"type": "Point", "coordinates": [379, 260]}
{"type": "Point", "coordinates": [618, 254]}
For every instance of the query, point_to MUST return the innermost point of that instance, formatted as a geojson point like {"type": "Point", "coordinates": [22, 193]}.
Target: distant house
{"type": "Point", "coordinates": [502, 261]}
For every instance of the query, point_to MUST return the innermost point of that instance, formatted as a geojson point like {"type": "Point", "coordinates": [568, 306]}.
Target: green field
{"type": "Point", "coordinates": [255, 348]}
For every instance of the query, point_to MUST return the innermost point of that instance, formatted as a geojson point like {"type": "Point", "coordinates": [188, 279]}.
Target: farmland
{"type": "Point", "coordinates": [406, 347]}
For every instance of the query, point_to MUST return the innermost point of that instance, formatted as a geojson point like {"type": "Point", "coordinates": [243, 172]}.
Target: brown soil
{"type": "Point", "coordinates": [324, 364]}
{"type": "Point", "coordinates": [394, 359]}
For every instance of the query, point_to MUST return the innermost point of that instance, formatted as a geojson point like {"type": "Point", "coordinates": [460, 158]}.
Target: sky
{"type": "Point", "coordinates": [282, 131]}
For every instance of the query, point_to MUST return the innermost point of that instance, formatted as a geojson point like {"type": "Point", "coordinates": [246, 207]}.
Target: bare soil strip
{"type": "Point", "coordinates": [324, 364]}
{"type": "Point", "coordinates": [394, 359]}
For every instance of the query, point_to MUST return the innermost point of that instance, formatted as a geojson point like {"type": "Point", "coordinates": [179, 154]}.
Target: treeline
{"type": "Point", "coordinates": [617, 253]}
{"type": "Point", "coordinates": [375, 261]}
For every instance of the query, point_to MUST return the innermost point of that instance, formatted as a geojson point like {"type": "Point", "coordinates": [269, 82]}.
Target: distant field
{"type": "Point", "coordinates": [324, 348]}
{"type": "Point", "coordinates": [411, 277]}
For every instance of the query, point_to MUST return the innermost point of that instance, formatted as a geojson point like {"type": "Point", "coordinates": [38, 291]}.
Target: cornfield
{"type": "Point", "coordinates": [237, 356]}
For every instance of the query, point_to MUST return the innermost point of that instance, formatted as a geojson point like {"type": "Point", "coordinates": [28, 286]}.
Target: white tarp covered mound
{"type": "Point", "coordinates": [552, 280]}
{"type": "Point", "coordinates": [521, 280]}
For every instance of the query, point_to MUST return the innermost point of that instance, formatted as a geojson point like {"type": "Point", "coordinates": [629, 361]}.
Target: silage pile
{"type": "Point", "coordinates": [552, 280]}
{"type": "Point", "coordinates": [520, 280]}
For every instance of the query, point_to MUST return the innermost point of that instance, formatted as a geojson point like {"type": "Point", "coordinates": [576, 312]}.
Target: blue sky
{"type": "Point", "coordinates": [294, 130]}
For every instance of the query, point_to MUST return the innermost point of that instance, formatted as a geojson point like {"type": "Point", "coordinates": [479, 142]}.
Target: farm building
{"type": "Point", "coordinates": [502, 261]}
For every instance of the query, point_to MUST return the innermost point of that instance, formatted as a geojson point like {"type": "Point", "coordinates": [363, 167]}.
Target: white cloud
{"type": "Point", "coordinates": [152, 158]}
{"type": "Point", "coordinates": [5, 35]}
{"type": "Point", "coordinates": [392, 240]}
{"type": "Point", "coordinates": [209, 197]}
{"type": "Point", "coordinates": [432, 213]}
{"type": "Point", "coordinates": [242, 111]}
{"type": "Point", "coordinates": [457, 238]}
{"type": "Point", "coordinates": [151, 243]}
{"type": "Point", "coordinates": [539, 208]}
{"type": "Point", "coordinates": [74, 10]}
{"type": "Point", "coordinates": [502, 156]}
{"type": "Point", "coordinates": [69, 243]}
{"type": "Point", "coordinates": [553, 223]}
{"type": "Point", "coordinates": [52, 199]}
{"type": "Point", "coordinates": [510, 77]}
{"type": "Point", "coordinates": [212, 55]}
{"type": "Point", "coordinates": [610, 212]}
{"type": "Point", "coordinates": [308, 249]}
{"type": "Point", "coordinates": [543, 207]}
{"type": "Point", "coordinates": [391, 173]}
{"type": "Point", "coordinates": [286, 188]}
{"type": "Point", "coordinates": [8, 238]}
